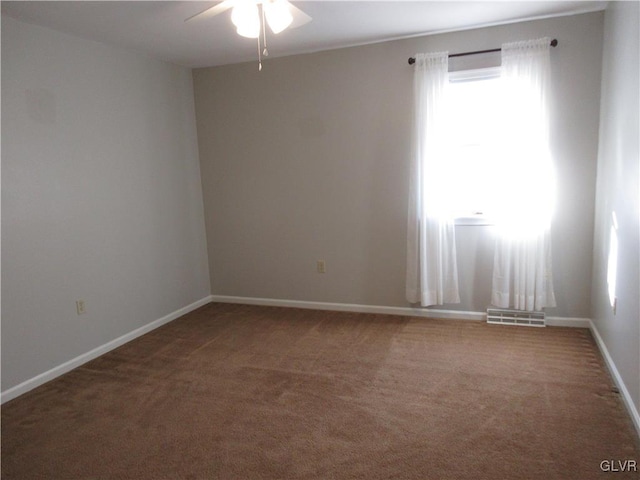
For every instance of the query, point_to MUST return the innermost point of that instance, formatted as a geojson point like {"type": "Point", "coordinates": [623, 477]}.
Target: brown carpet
{"type": "Point", "coordinates": [243, 392]}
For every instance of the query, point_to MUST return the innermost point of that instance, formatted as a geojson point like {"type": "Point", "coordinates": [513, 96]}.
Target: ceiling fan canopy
{"type": "Point", "coordinates": [246, 15]}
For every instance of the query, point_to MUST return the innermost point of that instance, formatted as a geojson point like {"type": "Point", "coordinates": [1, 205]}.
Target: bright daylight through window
{"type": "Point", "coordinates": [483, 176]}
{"type": "Point", "coordinates": [472, 128]}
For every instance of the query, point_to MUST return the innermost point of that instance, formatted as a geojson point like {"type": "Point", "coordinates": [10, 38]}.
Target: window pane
{"type": "Point", "coordinates": [473, 128]}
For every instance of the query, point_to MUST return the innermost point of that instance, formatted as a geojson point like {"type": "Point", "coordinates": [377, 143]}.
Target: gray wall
{"type": "Point", "coordinates": [101, 196]}
{"type": "Point", "coordinates": [308, 160]}
{"type": "Point", "coordinates": [617, 191]}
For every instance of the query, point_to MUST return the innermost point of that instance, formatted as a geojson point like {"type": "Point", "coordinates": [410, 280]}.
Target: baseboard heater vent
{"type": "Point", "coordinates": [515, 317]}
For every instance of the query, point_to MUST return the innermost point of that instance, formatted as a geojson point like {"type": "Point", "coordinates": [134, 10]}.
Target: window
{"type": "Point", "coordinates": [473, 126]}
{"type": "Point", "coordinates": [489, 169]}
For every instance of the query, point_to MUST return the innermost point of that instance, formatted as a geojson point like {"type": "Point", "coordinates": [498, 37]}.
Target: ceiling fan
{"type": "Point", "coordinates": [251, 17]}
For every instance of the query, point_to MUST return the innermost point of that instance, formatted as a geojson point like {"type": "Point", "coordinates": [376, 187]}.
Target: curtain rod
{"type": "Point", "coordinates": [412, 60]}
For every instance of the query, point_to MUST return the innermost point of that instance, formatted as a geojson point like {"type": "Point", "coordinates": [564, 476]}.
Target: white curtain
{"type": "Point", "coordinates": [522, 265]}
{"type": "Point", "coordinates": [432, 273]}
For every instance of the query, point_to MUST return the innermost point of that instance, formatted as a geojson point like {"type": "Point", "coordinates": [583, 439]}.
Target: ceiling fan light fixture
{"type": "Point", "coordinates": [278, 14]}
{"type": "Point", "coordinates": [246, 18]}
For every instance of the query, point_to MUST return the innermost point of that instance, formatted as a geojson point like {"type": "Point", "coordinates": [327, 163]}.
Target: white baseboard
{"type": "Point", "coordinates": [624, 392]}
{"type": "Point", "coordinates": [406, 311]}
{"type": "Point", "coordinates": [38, 380]}
{"type": "Point", "coordinates": [573, 322]}
{"type": "Point", "coordinates": [351, 307]}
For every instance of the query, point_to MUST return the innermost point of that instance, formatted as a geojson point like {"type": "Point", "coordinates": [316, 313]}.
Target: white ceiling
{"type": "Point", "coordinates": [157, 28]}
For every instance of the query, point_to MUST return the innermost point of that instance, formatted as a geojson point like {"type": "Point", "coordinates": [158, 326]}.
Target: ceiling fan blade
{"type": "Point", "coordinates": [213, 11]}
{"type": "Point", "coordinates": [299, 17]}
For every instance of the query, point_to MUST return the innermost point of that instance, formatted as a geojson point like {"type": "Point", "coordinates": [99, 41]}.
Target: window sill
{"type": "Point", "coordinates": [473, 221]}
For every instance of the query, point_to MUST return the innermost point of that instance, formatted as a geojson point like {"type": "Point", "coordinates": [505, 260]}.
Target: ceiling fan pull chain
{"type": "Point", "coordinates": [265, 52]}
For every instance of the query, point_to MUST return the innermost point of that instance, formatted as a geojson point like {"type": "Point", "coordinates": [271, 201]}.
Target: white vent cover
{"type": "Point", "coordinates": [515, 317]}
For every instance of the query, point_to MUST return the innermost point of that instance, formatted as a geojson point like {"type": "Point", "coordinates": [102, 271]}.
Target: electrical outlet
{"type": "Point", "coordinates": [320, 266]}
{"type": "Point", "coordinates": [80, 307]}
